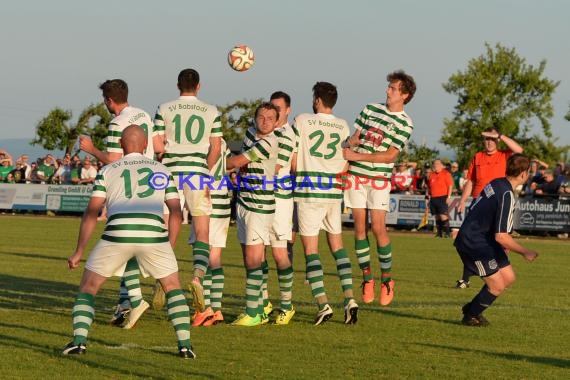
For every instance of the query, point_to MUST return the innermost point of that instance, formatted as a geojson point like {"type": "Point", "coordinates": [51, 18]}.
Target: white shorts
{"type": "Point", "coordinates": [252, 227]}
{"type": "Point", "coordinates": [316, 216]}
{"type": "Point", "coordinates": [218, 234]}
{"type": "Point", "coordinates": [197, 198]}
{"type": "Point", "coordinates": [372, 197]}
{"type": "Point", "coordinates": [282, 227]}
{"type": "Point", "coordinates": [110, 259]}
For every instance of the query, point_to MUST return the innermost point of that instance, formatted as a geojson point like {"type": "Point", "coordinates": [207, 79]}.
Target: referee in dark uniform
{"type": "Point", "coordinates": [484, 239]}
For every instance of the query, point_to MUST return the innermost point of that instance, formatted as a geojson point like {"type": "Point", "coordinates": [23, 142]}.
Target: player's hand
{"type": "Point", "coordinates": [493, 135]}
{"type": "Point", "coordinates": [460, 207]}
{"type": "Point", "coordinates": [348, 154]}
{"type": "Point", "coordinates": [86, 144]}
{"type": "Point", "coordinates": [73, 260]}
{"type": "Point", "coordinates": [530, 256]}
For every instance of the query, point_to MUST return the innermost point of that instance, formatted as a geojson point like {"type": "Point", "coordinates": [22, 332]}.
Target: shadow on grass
{"type": "Point", "coordinates": [31, 255]}
{"type": "Point", "coordinates": [555, 362]}
{"type": "Point", "coordinates": [125, 368]}
{"type": "Point", "coordinates": [31, 293]}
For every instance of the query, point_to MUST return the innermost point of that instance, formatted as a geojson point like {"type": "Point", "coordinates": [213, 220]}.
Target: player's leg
{"type": "Point", "coordinates": [178, 314]}
{"type": "Point", "coordinates": [384, 251]}
{"type": "Point", "coordinates": [496, 271]}
{"type": "Point", "coordinates": [83, 311]}
{"type": "Point", "coordinates": [311, 216]}
{"type": "Point", "coordinates": [217, 287]}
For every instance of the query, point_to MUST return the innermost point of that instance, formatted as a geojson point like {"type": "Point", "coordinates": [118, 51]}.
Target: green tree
{"type": "Point", "coordinates": [499, 89]}
{"type": "Point", "coordinates": [237, 117]}
{"type": "Point", "coordinates": [55, 131]}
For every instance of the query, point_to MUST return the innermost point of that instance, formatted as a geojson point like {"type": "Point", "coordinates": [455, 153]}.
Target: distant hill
{"type": "Point", "coordinates": [17, 147]}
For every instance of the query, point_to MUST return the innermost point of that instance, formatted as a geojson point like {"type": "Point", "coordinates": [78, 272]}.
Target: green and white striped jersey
{"type": "Point", "coordinates": [288, 142]}
{"type": "Point", "coordinates": [220, 195]}
{"type": "Point", "coordinates": [319, 159]}
{"type": "Point", "coordinates": [188, 124]}
{"type": "Point", "coordinates": [134, 207]}
{"type": "Point", "coordinates": [379, 130]}
{"type": "Point", "coordinates": [257, 187]}
{"type": "Point", "coordinates": [130, 115]}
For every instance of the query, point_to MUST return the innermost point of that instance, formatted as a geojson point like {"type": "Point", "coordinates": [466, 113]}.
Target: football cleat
{"type": "Point", "coordinates": [120, 314]}
{"type": "Point", "coordinates": [186, 353]}
{"type": "Point", "coordinates": [285, 316]}
{"type": "Point", "coordinates": [246, 320]}
{"type": "Point", "coordinates": [201, 317]}
{"type": "Point", "coordinates": [351, 313]}
{"type": "Point", "coordinates": [74, 349]}
{"type": "Point", "coordinates": [197, 292]}
{"type": "Point", "coordinates": [218, 317]}
{"type": "Point", "coordinates": [460, 284]}
{"type": "Point", "coordinates": [268, 309]}
{"type": "Point", "coordinates": [158, 297]}
{"type": "Point", "coordinates": [368, 291]}
{"type": "Point", "coordinates": [323, 315]}
{"type": "Point", "coordinates": [387, 293]}
{"type": "Point", "coordinates": [135, 314]}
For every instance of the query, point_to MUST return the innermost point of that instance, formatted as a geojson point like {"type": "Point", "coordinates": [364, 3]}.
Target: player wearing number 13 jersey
{"type": "Point", "coordinates": [189, 134]}
{"type": "Point", "coordinates": [382, 131]}
{"type": "Point", "coordinates": [319, 161]}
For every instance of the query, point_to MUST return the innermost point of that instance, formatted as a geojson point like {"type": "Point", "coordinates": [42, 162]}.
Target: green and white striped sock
{"type": "Point", "coordinates": [179, 315]}
{"type": "Point", "coordinates": [285, 278]}
{"type": "Point", "coordinates": [83, 314]}
{"type": "Point", "coordinates": [217, 290]}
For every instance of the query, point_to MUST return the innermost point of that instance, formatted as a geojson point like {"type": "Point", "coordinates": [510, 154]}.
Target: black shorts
{"type": "Point", "coordinates": [485, 263]}
{"type": "Point", "coordinates": [438, 205]}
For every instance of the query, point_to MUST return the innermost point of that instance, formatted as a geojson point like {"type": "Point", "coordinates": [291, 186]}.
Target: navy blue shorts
{"type": "Point", "coordinates": [485, 263]}
{"type": "Point", "coordinates": [438, 205]}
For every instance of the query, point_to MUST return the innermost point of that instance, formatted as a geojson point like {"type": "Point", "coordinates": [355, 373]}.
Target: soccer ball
{"type": "Point", "coordinates": [241, 58]}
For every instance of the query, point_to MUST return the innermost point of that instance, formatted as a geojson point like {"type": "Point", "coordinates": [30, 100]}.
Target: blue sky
{"type": "Point", "coordinates": [56, 53]}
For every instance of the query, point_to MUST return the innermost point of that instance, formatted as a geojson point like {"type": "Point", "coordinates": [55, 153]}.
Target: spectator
{"type": "Point", "coordinates": [456, 175]}
{"type": "Point", "coordinates": [6, 168]}
{"type": "Point", "coordinates": [33, 176]}
{"type": "Point", "coordinates": [564, 189]}
{"type": "Point", "coordinates": [550, 185]}
{"type": "Point", "coordinates": [75, 172]}
{"type": "Point", "coordinates": [63, 173]}
{"type": "Point", "coordinates": [439, 189]}
{"type": "Point", "coordinates": [19, 172]}
{"type": "Point", "coordinates": [538, 179]}
{"type": "Point", "coordinates": [463, 180]}
{"type": "Point", "coordinates": [88, 172]}
{"type": "Point", "coordinates": [46, 170]}
{"type": "Point", "coordinates": [418, 181]}
{"type": "Point", "coordinates": [402, 180]}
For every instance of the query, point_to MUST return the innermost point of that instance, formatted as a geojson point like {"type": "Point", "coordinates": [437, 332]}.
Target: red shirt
{"type": "Point", "coordinates": [486, 167]}
{"type": "Point", "coordinates": [439, 183]}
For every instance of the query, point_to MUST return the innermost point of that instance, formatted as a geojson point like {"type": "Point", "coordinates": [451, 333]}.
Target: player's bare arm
{"type": "Point", "coordinates": [466, 192]}
{"type": "Point", "coordinates": [214, 151]}
{"type": "Point", "coordinates": [88, 223]}
{"type": "Point", "coordinates": [386, 157]}
{"type": "Point", "coordinates": [174, 220]}
{"type": "Point", "coordinates": [507, 242]}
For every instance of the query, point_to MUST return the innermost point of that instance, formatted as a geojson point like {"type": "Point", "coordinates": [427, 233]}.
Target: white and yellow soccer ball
{"type": "Point", "coordinates": [241, 58]}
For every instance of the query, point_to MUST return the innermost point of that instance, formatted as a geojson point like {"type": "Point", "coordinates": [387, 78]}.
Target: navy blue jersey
{"type": "Point", "coordinates": [490, 213]}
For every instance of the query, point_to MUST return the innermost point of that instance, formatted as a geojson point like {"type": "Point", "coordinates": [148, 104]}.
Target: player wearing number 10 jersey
{"type": "Point", "coordinates": [382, 131]}
{"type": "Point", "coordinates": [189, 134]}
{"type": "Point", "coordinates": [319, 161]}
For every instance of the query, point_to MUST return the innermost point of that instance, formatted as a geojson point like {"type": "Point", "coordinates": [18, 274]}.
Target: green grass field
{"type": "Point", "coordinates": [418, 336]}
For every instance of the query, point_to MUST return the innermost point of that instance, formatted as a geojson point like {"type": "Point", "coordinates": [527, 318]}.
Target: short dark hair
{"type": "Point", "coordinates": [188, 80]}
{"type": "Point", "coordinates": [281, 95]}
{"type": "Point", "coordinates": [115, 89]}
{"type": "Point", "coordinates": [407, 86]}
{"type": "Point", "coordinates": [326, 92]}
{"type": "Point", "coordinates": [516, 164]}
{"type": "Point", "coordinates": [266, 106]}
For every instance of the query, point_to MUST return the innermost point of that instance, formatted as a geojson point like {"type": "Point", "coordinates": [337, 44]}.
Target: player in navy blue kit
{"type": "Point", "coordinates": [484, 239]}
